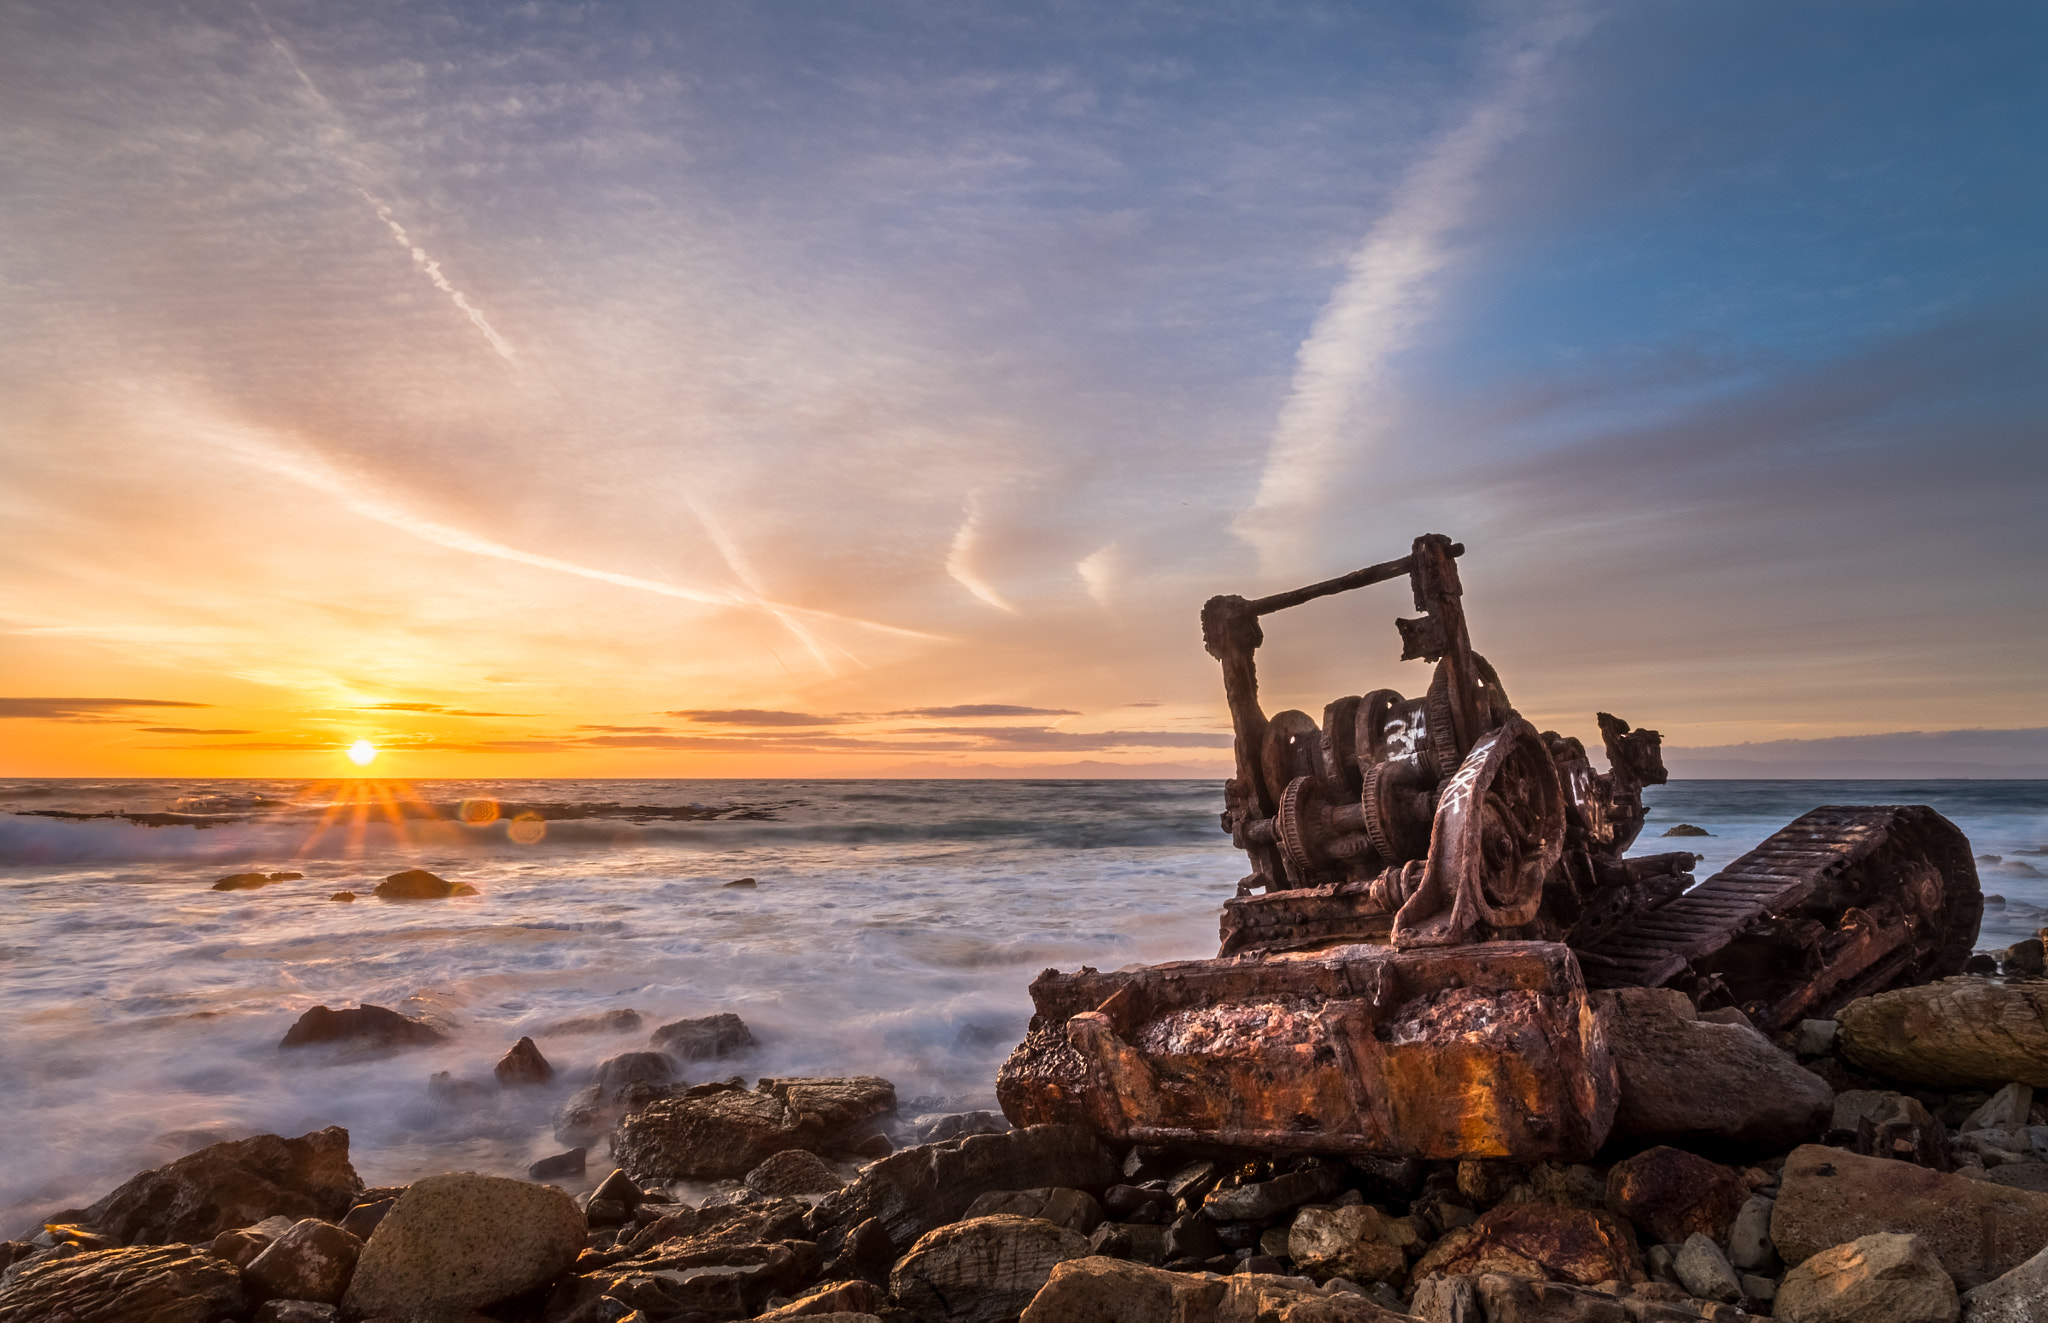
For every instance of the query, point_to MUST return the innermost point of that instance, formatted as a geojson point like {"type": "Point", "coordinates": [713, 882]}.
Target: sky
{"type": "Point", "coordinates": [766, 389]}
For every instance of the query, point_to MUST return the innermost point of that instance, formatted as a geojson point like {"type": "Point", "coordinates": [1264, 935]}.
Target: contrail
{"type": "Point", "coordinates": [1387, 290]}
{"type": "Point", "coordinates": [736, 561]}
{"type": "Point", "coordinates": [958, 559]}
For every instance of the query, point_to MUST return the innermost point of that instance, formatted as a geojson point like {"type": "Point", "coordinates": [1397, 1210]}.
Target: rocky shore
{"type": "Point", "coordinates": [1888, 1166]}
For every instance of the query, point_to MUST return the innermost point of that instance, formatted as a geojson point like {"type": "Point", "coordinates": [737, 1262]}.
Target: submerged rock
{"type": "Point", "coordinates": [618, 1085]}
{"type": "Point", "coordinates": [707, 1038]}
{"type": "Point", "coordinates": [624, 1020]}
{"type": "Point", "coordinates": [231, 1185]}
{"type": "Point", "coordinates": [1957, 1032]}
{"type": "Point", "coordinates": [461, 1242]}
{"type": "Point", "coordinates": [522, 1065]}
{"type": "Point", "coordinates": [364, 1029]}
{"type": "Point", "coordinates": [154, 1284]}
{"type": "Point", "coordinates": [419, 884]}
{"type": "Point", "coordinates": [724, 1131]}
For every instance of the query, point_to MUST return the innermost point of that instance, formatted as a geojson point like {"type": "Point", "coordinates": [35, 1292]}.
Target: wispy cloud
{"type": "Point", "coordinates": [80, 709]}
{"type": "Point", "coordinates": [753, 716]}
{"type": "Point", "coordinates": [960, 557]}
{"type": "Point", "coordinates": [984, 710]}
{"type": "Point", "coordinates": [435, 709]}
{"type": "Point", "coordinates": [1388, 288]}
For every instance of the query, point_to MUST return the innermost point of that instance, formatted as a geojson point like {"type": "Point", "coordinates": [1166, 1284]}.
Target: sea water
{"type": "Point", "coordinates": [892, 928]}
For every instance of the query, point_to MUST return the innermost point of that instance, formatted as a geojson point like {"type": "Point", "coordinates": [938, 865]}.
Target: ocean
{"type": "Point", "coordinates": [892, 929]}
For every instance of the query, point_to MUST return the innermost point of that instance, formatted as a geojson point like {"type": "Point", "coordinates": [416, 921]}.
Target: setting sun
{"type": "Point", "coordinates": [361, 752]}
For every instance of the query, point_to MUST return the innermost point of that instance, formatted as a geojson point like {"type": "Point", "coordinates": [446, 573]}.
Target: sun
{"type": "Point", "coordinates": [361, 752]}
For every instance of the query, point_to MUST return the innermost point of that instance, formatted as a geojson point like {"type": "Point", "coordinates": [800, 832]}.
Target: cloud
{"type": "Point", "coordinates": [435, 709]}
{"type": "Point", "coordinates": [1098, 570]}
{"type": "Point", "coordinates": [1388, 288]}
{"type": "Point", "coordinates": [1026, 737]}
{"type": "Point", "coordinates": [753, 716]}
{"type": "Point", "coordinates": [80, 709]}
{"type": "Point", "coordinates": [960, 557]}
{"type": "Point", "coordinates": [191, 730]}
{"type": "Point", "coordinates": [984, 710]}
{"type": "Point", "coordinates": [627, 730]}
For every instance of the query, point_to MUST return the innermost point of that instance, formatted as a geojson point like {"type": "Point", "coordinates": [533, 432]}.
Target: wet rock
{"type": "Point", "coordinates": [1976, 1229]}
{"type": "Point", "coordinates": [981, 1271]}
{"type": "Point", "coordinates": [1983, 962]}
{"type": "Point", "coordinates": [419, 884]}
{"type": "Point", "coordinates": [2020, 1296]}
{"type": "Point", "coordinates": [2024, 958]}
{"type": "Point", "coordinates": [1261, 1201]}
{"type": "Point", "coordinates": [345, 897]}
{"type": "Point", "coordinates": [1537, 1240]}
{"type": "Point", "coordinates": [522, 1065]}
{"type": "Point", "coordinates": [311, 1261]}
{"type": "Point", "coordinates": [153, 1284]}
{"type": "Point", "coordinates": [230, 1185]}
{"type": "Point", "coordinates": [558, 1166]}
{"type": "Point", "coordinates": [917, 1189]}
{"type": "Point", "coordinates": [934, 1128]}
{"type": "Point", "coordinates": [1349, 1242]}
{"type": "Point", "coordinates": [363, 1030]}
{"type": "Point", "coordinates": [1076, 1210]}
{"type": "Point", "coordinates": [1682, 1078]}
{"type": "Point", "coordinates": [1671, 1194]}
{"type": "Point", "coordinates": [618, 1085]}
{"type": "Point", "coordinates": [1687, 829]}
{"type": "Point", "coordinates": [1958, 1032]}
{"type": "Point", "coordinates": [722, 1131]}
{"type": "Point", "coordinates": [707, 1038]}
{"type": "Point", "coordinates": [247, 881]}
{"type": "Point", "coordinates": [1880, 1278]}
{"type": "Point", "coordinates": [460, 1242]}
{"type": "Point", "coordinates": [793, 1172]}
{"type": "Point", "coordinates": [1704, 1270]}
{"type": "Point", "coordinates": [747, 883]}
{"type": "Point", "coordinates": [625, 1020]}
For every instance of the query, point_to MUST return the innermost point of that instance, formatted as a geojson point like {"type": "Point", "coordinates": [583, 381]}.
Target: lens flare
{"type": "Point", "coordinates": [361, 752]}
{"type": "Point", "coordinates": [477, 812]}
{"type": "Point", "coordinates": [527, 829]}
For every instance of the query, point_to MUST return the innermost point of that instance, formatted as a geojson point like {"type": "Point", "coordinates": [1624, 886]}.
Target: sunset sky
{"type": "Point", "coordinates": [748, 389]}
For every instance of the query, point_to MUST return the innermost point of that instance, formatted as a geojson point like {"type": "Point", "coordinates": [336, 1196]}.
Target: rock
{"type": "Point", "coordinates": [345, 897]}
{"type": "Point", "coordinates": [522, 1065]}
{"type": "Point", "coordinates": [2024, 957]}
{"type": "Point", "coordinates": [1349, 1242]}
{"type": "Point", "coordinates": [711, 1279]}
{"type": "Point", "coordinates": [1814, 1038]}
{"type": "Point", "coordinates": [1501, 1298]}
{"type": "Point", "coordinates": [363, 1218]}
{"type": "Point", "coordinates": [747, 882]}
{"type": "Point", "coordinates": [1262, 1201]}
{"type": "Point", "coordinates": [296, 1311]}
{"type": "Point", "coordinates": [2020, 1296]}
{"type": "Point", "coordinates": [1881, 1107]}
{"type": "Point", "coordinates": [708, 1038]}
{"type": "Point", "coordinates": [1976, 1229]}
{"type": "Point", "coordinates": [362, 1030]}
{"type": "Point", "coordinates": [245, 882]}
{"type": "Point", "coordinates": [1536, 1240]}
{"type": "Point", "coordinates": [2020, 1176]}
{"type": "Point", "coordinates": [917, 1189]}
{"type": "Point", "coordinates": [1704, 1270]}
{"type": "Point", "coordinates": [793, 1172]}
{"type": "Point", "coordinates": [1687, 829]}
{"type": "Point", "coordinates": [1982, 962]}
{"type": "Point", "coordinates": [1075, 1210]}
{"type": "Point", "coordinates": [1686, 1079]}
{"type": "Point", "coordinates": [2012, 1106]}
{"type": "Point", "coordinates": [622, 1021]}
{"type": "Point", "coordinates": [761, 1222]}
{"type": "Point", "coordinates": [230, 1185]}
{"type": "Point", "coordinates": [1749, 1237]}
{"type": "Point", "coordinates": [1102, 1290]}
{"type": "Point", "coordinates": [618, 1085]}
{"type": "Point", "coordinates": [462, 1242]}
{"type": "Point", "coordinates": [311, 1261]}
{"type": "Point", "coordinates": [561, 1164]}
{"type": "Point", "coordinates": [981, 1271]}
{"type": "Point", "coordinates": [419, 884]}
{"type": "Point", "coordinates": [1257, 1297]}
{"type": "Point", "coordinates": [239, 1246]}
{"type": "Point", "coordinates": [834, 1298]}
{"type": "Point", "coordinates": [1671, 1194]}
{"type": "Point", "coordinates": [1879, 1278]}
{"type": "Point", "coordinates": [1487, 1183]}
{"type": "Point", "coordinates": [934, 1128]}
{"type": "Point", "coordinates": [153, 1284]}
{"type": "Point", "coordinates": [722, 1131]}
{"type": "Point", "coordinates": [1957, 1032]}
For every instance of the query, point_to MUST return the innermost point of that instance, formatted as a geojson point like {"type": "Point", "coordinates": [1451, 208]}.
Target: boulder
{"type": "Point", "coordinates": [624, 1020]}
{"type": "Point", "coordinates": [1671, 1194]}
{"type": "Point", "coordinates": [1102, 1290]}
{"type": "Point", "coordinates": [246, 881]}
{"type": "Point", "coordinates": [1977, 1230]}
{"type": "Point", "coordinates": [2010, 1108]}
{"type": "Point", "coordinates": [833, 1298]}
{"type": "Point", "coordinates": [460, 1242]}
{"type": "Point", "coordinates": [522, 1065]}
{"type": "Point", "coordinates": [1704, 1270]}
{"type": "Point", "coordinates": [1537, 1240]}
{"type": "Point", "coordinates": [1749, 1237]}
{"type": "Point", "coordinates": [1951, 1034]}
{"type": "Point", "coordinates": [1076, 1210]}
{"type": "Point", "coordinates": [1503, 1298]}
{"type": "Point", "coordinates": [419, 884]}
{"type": "Point", "coordinates": [1879, 1278]}
{"type": "Point", "coordinates": [1880, 1107]}
{"type": "Point", "coordinates": [1251, 1297]}
{"type": "Point", "coordinates": [2020, 1296]}
{"type": "Point", "coordinates": [230, 1185]}
{"type": "Point", "coordinates": [762, 1222]}
{"type": "Point", "coordinates": [296, 1311]}
{"type": "Point", "coordinates": [1355, 1243]}
{"type": "Point", "coordinates": [313, 1260]}
{"type": "Point", "coordinates": [1262, 1201]}
{"type": "Point", "coordinates": [144, 1284]}
{"type": "Point", "coordinates": [716, 1263]}
{"type": "Point", "coordinates": [793, 1172]}
{"type": "Point", "coordinates": [618, 1085]}
{"type": "Point", "coordinates": [362, 1030]}
{"type": "Point", "coordinates": [912, 1191]}
{"type": "Point", "coordinates": [933, 1127]}
{"type": "Point", "coordinates": [1682, 1078]}
{"type": "Point", "coordinates": [984, 1270]}
{"type": "Point", "coordinates": [707, 1038]}
{"type": "Point", "coordinates": [723, 1131]}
